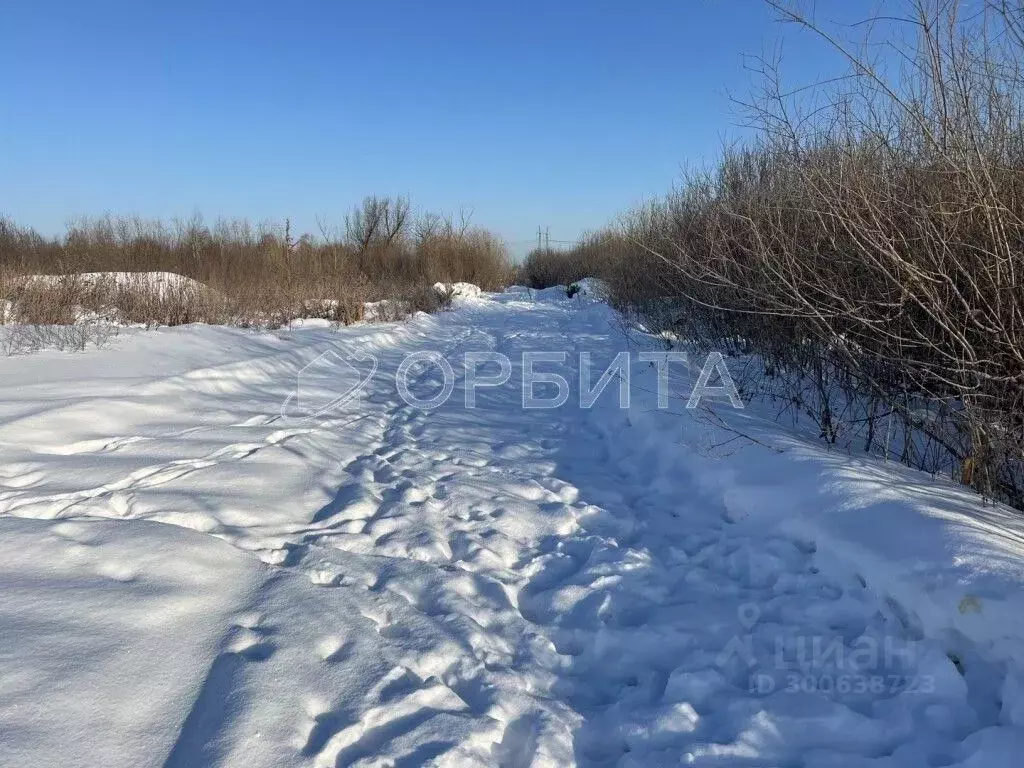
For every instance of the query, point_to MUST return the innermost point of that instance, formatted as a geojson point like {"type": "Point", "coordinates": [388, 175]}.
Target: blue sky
{"type": "Point", "coordinates": [554, 113]}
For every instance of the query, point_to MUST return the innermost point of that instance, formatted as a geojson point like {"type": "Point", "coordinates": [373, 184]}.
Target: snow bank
{"type": "Point", "coordinates": [382, 310]}
{"type": "Point", "coordinates": [161, 282]}
{"type": "Point", "coordinates": [954, 562]}
{"type": "Point", "coordinates": [589, 287]}
{"type": "Point", "coordinates": [458, 290]}
{"type": "Point", "coordinates": [593, 287]}
{"type": "Point", "coordinates": [949, 565]}
{"type": "Point", "coordinates": [110, 629]}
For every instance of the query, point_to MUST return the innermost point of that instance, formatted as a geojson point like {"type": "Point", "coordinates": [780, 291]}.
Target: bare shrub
{"type": "Point", "coordinates": [24, 339]}
{"type": "Point", "coordinates": [547, 267]}
{"type": "Point", "coordinates": [604, 254]}
{"type": "Point", "coordinates": [471, 256]}
{"type": "Point", "coordinates": [866, 246]}
{"type": "Point", "coordinates": [252, 276]}
{"type": "Point", "coordinates": [400, 300]}
{"type": "Point", "coordinates": [379, 223]}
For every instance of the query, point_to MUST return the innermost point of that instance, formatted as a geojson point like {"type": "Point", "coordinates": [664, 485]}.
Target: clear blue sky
{"type": "Point", "coordinates": [554, 113]}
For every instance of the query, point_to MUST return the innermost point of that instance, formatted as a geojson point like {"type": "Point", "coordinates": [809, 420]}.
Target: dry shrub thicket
{"type": "Point", "coordinates": [867, 246]}
{"type": "Point", "coordinates": [545, 267]}
{"type": "Point", "coordinates": [609, 254]}
{"type": "Point", "coordinates": [250, 276]}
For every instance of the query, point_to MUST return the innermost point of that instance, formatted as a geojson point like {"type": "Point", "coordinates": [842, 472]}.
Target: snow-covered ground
{"type": "Point", "coordinates": [156, 280]}
{"type": "Point", "coordinates": [209, 557]}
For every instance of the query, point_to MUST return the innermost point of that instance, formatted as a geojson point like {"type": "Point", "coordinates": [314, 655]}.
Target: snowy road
{"type": "Point", "coordinates": [486, 586]}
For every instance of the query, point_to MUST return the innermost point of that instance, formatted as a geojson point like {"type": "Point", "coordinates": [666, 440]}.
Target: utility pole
{"type": "Point", "coordinates": [538, 237]}
{"type": "Point", "coordinates": [547, 238]}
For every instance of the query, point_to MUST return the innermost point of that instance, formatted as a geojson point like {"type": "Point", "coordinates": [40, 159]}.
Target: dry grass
{"type": "Point", "coordinates": [240, 274]}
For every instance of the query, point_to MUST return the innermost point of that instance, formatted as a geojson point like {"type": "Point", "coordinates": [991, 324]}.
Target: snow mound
{"type": "Point", "coordinates": [593, 287]}
{"type": "Point", "coordinates": [552, 293]}
{"type": "Point", "coordinates": [589, 287]}
{"type": "Point", "coordinates": [381, 310]}
{"type": "Point", "coordinates": [160, 282]}
{"type": "Point", "coordinates": [458, 290]}
{"type": "Point", "coordinates": [110, 629]}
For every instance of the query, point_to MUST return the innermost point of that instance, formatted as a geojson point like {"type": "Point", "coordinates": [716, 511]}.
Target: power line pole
{"type": "Point", "coordinates": [547, 238]}
{"type": "Point", "coordinates": [538, 237]}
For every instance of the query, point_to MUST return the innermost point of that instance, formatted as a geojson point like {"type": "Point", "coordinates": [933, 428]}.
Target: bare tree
{"type": "Point", "coordinates": [379, 221]}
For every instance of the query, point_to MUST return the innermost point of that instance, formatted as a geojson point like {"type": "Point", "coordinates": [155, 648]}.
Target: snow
{"type": "Point", "coordinates": [458, 290]}
{"type": "Point", "coordinates": [593, 287]}
{"type": "Point", "coordinates": [109, 630]}
{"type": "Point", "coordinates": [210, 558]}
{"type": "Point", "coordinates": [159, 282]}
